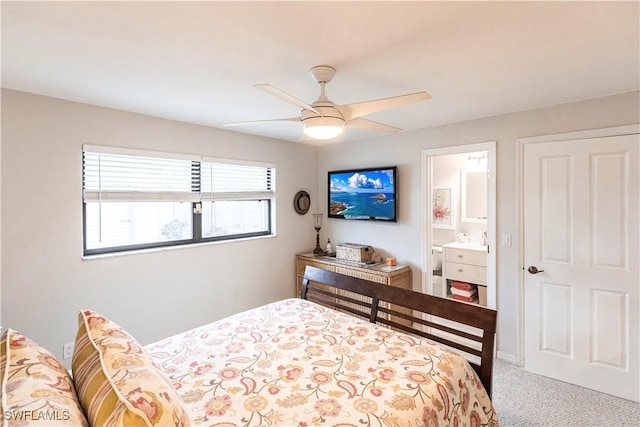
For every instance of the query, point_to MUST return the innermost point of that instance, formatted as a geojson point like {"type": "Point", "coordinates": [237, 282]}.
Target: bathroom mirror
{"type": "Point", "coordinates": [473, 195]}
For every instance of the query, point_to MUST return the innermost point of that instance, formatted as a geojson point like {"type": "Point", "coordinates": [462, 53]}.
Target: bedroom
{"type": "Point", "coordinates": [44, 277]}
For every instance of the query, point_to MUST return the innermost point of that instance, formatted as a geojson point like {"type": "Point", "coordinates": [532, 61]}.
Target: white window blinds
{"type": "Point", "coordinates": [114, 174]}
{"type": "Point", "coordinates": [117, 175]}
{"type": "Point", "coordinates": [226, 181]}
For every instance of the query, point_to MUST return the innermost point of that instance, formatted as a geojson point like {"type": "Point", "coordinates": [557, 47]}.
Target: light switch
{"type": "Point", "coordinates": [506, 240]}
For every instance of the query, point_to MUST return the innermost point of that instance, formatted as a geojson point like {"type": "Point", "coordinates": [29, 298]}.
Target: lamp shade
{"type": "Point", "coordinates": [317, 220]}
{"type": "Point", "coordinates": [323, 127]}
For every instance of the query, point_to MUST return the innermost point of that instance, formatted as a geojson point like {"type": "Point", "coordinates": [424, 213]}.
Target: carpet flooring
{"type": "Point", "coordinates": [524, 399]}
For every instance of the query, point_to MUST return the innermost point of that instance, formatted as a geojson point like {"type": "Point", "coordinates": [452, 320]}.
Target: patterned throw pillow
{"type": "Point", "coordinates": [117, 382]}
{"type": "Point", "coordinates": [36, 388]}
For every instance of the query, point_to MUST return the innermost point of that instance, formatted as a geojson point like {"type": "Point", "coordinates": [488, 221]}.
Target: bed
{"type": "Point", "coordinates": [348, 353]}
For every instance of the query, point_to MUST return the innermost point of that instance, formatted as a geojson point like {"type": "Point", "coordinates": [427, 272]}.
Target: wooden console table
{"type": "Point", "coordinates": [398, 276]}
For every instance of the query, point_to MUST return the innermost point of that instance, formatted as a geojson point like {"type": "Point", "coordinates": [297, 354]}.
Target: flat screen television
{"type": "Point", "coordinates": [364, 194]}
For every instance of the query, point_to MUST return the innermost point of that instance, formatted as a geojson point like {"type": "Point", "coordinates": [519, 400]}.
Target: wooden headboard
{"type": "Point", "coordinates": [411, 312]}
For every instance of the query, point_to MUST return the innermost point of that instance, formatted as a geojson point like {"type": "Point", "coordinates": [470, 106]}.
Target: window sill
{"type": "Point", "coordinates": [172, 248]}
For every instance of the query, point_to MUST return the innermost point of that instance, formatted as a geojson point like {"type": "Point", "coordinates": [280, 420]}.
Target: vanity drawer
{"type": "Point", "coordinates": [466, 256]}
{"type": "Point", "coordinates": [466, 273]}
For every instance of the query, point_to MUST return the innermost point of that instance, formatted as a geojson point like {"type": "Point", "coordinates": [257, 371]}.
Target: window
{"type": "Point", "coordinates": [136, 199]}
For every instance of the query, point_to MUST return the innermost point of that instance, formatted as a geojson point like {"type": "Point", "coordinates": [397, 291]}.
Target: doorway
{"type": "Point", "coordinates": [580, 296]}
{"type": "Point", "coordinates": [438, 227]}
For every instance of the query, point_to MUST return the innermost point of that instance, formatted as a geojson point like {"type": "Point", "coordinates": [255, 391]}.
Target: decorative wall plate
{"type": "Point", "coordinates": [302, 202]}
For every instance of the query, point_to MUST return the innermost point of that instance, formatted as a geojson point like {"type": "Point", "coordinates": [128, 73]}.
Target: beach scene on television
{"type": "Point", "coordinates": [362, 194]}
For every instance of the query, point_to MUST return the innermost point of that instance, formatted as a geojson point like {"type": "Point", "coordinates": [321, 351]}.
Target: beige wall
{"type": "Point", "coordinates": [403, 240]}
{"type": "Point", "coordinates": [153, 295]}
{"type": "Point", "coordinates": [1, 215]}
{"type": "Point", "coordinates": [45, 281]}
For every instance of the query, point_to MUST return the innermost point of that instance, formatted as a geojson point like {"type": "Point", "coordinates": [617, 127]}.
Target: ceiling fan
{"type": "Point", "coordinates": [324, 119]}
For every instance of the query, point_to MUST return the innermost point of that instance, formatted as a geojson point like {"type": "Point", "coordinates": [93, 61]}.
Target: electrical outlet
{"type": "Point", "coordinates": [67, 350]}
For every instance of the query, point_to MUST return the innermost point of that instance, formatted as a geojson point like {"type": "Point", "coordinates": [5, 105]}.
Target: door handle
{"type": "Point", "coordinates": [534, 270]}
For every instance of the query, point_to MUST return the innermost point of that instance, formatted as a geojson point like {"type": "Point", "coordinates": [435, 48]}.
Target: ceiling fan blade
{"type": "Point", "coordinates": [360, 123]}
{"type": "Point", "coordinates": [251, 122]}
{"type": "Point", "coordinates": [352, 111]}
{"type": "Point", "coordinates": [284, 96]}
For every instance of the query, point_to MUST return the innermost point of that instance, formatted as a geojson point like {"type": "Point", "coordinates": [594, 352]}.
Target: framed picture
{"type": "Point", "coordinates": [442, 216]}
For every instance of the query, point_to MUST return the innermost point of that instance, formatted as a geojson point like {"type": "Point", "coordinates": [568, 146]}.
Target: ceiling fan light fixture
{"type": "Point", "coordinates": [323, 127]}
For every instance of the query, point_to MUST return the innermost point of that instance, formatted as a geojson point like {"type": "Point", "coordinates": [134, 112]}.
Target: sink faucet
{"type": "Point", "coordinates": [484, 237]}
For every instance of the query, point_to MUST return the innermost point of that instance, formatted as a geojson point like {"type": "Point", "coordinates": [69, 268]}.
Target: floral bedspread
{"type": "Point", "coordinates": [296, 363]}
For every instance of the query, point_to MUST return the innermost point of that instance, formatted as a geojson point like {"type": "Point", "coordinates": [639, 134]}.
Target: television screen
{"type": "Point", "coordinates": [367, 194]}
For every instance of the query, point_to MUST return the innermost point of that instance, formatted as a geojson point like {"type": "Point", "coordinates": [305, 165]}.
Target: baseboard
{"type": "Point", "coordinates": [508, 357]}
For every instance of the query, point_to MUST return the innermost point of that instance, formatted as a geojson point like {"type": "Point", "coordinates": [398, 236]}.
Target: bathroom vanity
{"type": "Point", "coordinates": [465, 262]}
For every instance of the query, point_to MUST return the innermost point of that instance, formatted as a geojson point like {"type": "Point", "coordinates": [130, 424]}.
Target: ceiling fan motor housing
{"type": "Point", "coordinates": [328, 124]}
{"type": "Point", "coordinates": [325, 108]}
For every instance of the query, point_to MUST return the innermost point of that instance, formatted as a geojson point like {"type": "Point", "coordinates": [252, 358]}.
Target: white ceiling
{"type": "Point", "coordinates": [197, 61]}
